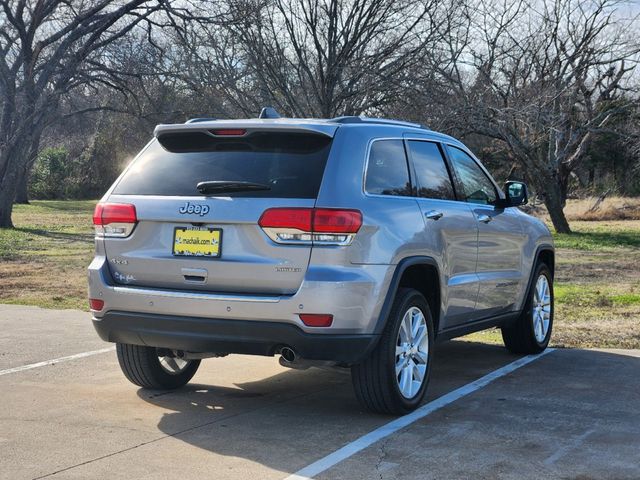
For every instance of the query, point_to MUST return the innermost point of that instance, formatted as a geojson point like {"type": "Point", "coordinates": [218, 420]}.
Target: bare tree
{"type": "Point", "coordinates": [204, 66]}
{"type": "Point", "coordinates": [49, 48]}
{"type": "Point", "coordinates": [544, 78]}
{"type": "Point", "coordinates": [317, 57]}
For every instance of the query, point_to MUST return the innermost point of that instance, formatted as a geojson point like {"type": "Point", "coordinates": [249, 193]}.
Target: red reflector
{"type": "Point", "coordinates": [324, 220]}
{"type": "Point", "coordinates": [231, 132]}
{"type": "Point", "coordinates": [316, 319]}
{"type": "Point", "coordinates": [106, 213]}
{"type": "Point", "coordinates": [95, 304]}
{"type": "Point", "coordinates": [336, 221]}
{"type": "Point", "coordinates": [299, 218]}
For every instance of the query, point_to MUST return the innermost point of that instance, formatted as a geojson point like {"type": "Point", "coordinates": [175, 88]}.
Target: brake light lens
{"type": "Point", "coordinates": [316, 319]}
{"type": "Point", "coordinates": [114, 219]}
{"type": "Point", "coordinates": [297, 218]}
{"type": "Point", "coordinates": [229, 132]}
{"type": "Point", "coordinates": [317, 226]}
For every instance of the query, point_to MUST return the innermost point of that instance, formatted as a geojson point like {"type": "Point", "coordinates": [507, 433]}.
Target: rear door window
{"type": "Point", "coordinates": [291, 164]}
{"type": "Point", "coordinates": [432, 175]}
{"type": "Point", "coordinates": [387, 169]}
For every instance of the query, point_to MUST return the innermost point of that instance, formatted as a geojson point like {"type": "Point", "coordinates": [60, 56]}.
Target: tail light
{"type": "Point", "coordinates": [114, 219]}
{"type": "Point", "coordinates": [318, 226]}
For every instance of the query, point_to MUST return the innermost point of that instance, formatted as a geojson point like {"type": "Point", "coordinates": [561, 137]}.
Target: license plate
{"type": "Point", "coordinates": [197, 241]}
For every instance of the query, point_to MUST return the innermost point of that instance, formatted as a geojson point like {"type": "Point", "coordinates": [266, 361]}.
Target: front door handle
{"type": "Point", "coordinates": [484, 218]}
{"type": "Point", "coordinates": [433, 215]}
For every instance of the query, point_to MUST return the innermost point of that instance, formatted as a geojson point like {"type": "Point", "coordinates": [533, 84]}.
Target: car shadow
{"type": "Point", "coordinates": [291, 409]}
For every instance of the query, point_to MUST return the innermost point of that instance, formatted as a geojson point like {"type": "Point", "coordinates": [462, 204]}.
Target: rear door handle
{"type": "Point", "coordinates": [484, 218]}
{"type": "Point", "coordinates": [433, 215]}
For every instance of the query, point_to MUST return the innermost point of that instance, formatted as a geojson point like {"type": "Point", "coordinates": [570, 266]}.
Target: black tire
{"type": "Point", "coordinates": [374, 380]}
{"type": "Point", "coordinates": [519, 337]}
{"type": "Point", "coordinates": [142, 367]}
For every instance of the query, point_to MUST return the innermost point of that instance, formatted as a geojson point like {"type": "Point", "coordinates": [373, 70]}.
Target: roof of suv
{"type": "Point", "coordinates": [322, 126]}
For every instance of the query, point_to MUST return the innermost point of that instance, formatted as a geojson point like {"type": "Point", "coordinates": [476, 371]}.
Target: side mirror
{"type": "Point", "coordinates": [516, 193]}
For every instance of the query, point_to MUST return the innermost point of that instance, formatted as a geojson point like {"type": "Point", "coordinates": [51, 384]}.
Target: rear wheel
{"type": "Point", "coordinates": [394, 378]}
{"type": "Point", "coordinates": [532, 331]}
{"type": "Point", "coordinates": [151, 367]}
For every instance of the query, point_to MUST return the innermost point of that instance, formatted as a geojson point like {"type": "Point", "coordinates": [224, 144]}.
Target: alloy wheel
{"type": "Point", "coordinates": [173, 365]}
{"type": "Point", "coordinates": [541, 309]}
{"type": "Point", "coordinates": [412, 352]}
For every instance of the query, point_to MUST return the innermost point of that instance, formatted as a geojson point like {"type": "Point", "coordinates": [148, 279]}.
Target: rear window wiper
{"type": "Point", "coordinates": [227, 186]}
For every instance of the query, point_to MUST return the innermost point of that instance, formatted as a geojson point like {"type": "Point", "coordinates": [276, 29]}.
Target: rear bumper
{"type": "Point", "coordinates": [195, 334]}
{"type": "Point", "coordinates": [353, 294]}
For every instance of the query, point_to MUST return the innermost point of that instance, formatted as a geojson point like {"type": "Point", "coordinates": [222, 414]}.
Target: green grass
{"type": "Point", "coordinates": [597, 236]}
{"type": "Point", "coordinates": [626, 299]}
{"type": "Point", "coordinates": [581, 295]}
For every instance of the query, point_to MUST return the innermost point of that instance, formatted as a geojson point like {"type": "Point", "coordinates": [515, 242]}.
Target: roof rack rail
{"type": "Point", "coordinates": [202, 119]}
{"type": "Point", "coordinates": [385, 121]}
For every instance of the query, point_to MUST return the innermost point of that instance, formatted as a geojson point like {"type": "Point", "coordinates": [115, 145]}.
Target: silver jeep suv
{"type": "Point", "coordinates": [352, 242]}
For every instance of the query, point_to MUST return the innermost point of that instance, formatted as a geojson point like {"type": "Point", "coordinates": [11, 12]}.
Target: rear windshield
{"type": "Point", "coordinates": [291, 164]}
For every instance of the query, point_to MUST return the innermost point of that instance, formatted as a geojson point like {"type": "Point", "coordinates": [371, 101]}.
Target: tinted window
{"type": "Point", "coordinates": [387, 171]}
{"type": "Point", "coordinates": [432, 176]}
{"type": "Point", "coordinates": [291, 164]}
{"type": "Point", "coordinates": [477, 186]}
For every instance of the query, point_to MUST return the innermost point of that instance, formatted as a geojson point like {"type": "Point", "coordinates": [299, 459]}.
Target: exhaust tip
{"type": "Point", "coordinates": [288, 354]}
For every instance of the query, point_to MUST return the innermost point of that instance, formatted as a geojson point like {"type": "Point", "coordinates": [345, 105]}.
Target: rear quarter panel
{"type": "Point", "coordinates": [392, 228]}
{"type": "Point", "coordinates": [391, 225]}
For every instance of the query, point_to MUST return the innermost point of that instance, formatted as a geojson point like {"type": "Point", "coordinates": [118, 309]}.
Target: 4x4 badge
{"type": "Point", "coordinates": [191, 208]}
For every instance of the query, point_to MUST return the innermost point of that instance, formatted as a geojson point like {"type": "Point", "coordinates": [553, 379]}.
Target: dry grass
{"type": "Point", "coordinates": [43, 261]}
{"type": "Point", "coordinates": [43, 283]}
{"type": "Point", "coordinates": [611, 208]}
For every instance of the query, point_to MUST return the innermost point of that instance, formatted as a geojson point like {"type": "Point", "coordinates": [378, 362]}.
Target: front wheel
{"type": "Point", "coordinates": [150, 367]}
{"type": "Point", "coordinates": [531, 332]}
{"type": "Point", "coordinates": [394, 378]}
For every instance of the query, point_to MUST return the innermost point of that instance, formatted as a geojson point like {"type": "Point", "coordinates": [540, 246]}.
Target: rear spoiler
{"type": "Point", "coordinates": [208, 127]}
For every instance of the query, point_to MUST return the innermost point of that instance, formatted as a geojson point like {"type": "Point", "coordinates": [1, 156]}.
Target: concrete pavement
{"type": "Point", "coordinates": [571, 414]}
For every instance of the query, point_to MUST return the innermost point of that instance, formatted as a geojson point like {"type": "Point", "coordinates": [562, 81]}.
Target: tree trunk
{"type": "Point", "coordinates": [7, 194]}
{"type": "Point", "coordinates": [562, 180]}
{"type": "Point", "coordinates": [22, 194]}
{"type": "Point", "coordinates": [24, 172]}
{"type": "Point", "coordinates": [13, 159]}
{"type": "Point", "coordinates": [554, 203]}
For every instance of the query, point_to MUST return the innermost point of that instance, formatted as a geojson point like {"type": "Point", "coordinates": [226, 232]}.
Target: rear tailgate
{"type": "Point", "coordinates": [173, 218]}
{"type": "Point", "coordinates": [249, 261]}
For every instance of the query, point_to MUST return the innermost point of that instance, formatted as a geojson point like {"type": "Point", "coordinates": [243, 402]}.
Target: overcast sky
{"type": "Point", "coordinates": [633, 6]}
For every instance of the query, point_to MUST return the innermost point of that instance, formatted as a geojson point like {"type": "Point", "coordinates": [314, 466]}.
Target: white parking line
{"type": "Point", "coordinates": [55, 360]}
{"type": "Point", "coordinates": [308, 472]}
